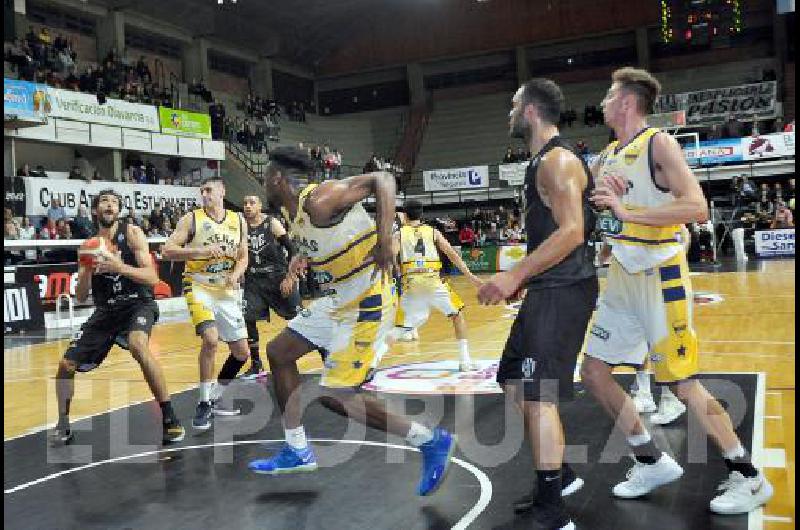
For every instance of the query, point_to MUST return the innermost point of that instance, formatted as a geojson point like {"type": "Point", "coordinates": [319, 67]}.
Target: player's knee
{"type": "Point", "coordinates": [239, 350]}
{"type": "Point", "coordinates": [593, 372]}
{"type": "Point", "coordinates": [685, 390]}
{"type": "Point", "coordinates": [67, 368]}
{"type": "Point", "coordinates": [138, 347]}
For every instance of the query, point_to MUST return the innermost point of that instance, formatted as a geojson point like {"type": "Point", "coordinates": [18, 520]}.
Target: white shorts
{"type": "Point", "coordinates": [416, 304]}
{"type": "Point", "coordinates": [218, 307]}
{"type": "Point", "coordinates": [351, 340]}
{"type": "Point", "coordinates": [647, 312]}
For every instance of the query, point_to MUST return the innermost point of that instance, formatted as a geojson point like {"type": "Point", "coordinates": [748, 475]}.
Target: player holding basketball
{"type": "Point", "coordinates": [644, 180]}
{"type": "Point", "coordinates": [213, 242]}
{"type": "Point", "coordinates": [267, 282]}
{"type": "Point", "coordinates": [121, 280]}
{"type": "Point", "coordinates": [353, 260]}
{"type": "Point", "coordinates": [539, 357]}
{"type": "Point", "coordinates": [419, 246]}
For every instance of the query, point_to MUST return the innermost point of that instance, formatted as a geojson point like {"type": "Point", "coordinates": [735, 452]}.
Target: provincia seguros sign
{"type": "Point", "coordinates": [72, 194]}
{"type": "Point", "coordinates": [456, 178]}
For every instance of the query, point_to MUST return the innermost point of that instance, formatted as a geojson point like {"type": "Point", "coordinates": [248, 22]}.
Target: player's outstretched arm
{"type": "Point", "coordinates": [444, 246]}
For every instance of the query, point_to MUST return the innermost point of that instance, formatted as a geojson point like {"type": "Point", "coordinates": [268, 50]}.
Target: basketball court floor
{"type": "Point", "coordinates": [116, 475]}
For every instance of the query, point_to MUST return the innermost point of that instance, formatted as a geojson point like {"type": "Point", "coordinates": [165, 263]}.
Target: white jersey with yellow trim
{"type": "Point", "coordinates": [227, 234]}
{"type": "Point", "coordinates": [337, 254]}
{"type": "Point", "coordinates": [638, 247]}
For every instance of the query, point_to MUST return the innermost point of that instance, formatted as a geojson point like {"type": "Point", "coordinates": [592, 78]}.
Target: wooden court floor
{"type": "Point", "coordinates": [751, 329]}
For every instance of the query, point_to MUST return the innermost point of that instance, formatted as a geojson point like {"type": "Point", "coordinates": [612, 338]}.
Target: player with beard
{"type": "Point", "coordinates": [267, 282]}
{"type": "Point", "coordinates": [538, 362]}
{"type": "Point", "coordinates": [122, 288]}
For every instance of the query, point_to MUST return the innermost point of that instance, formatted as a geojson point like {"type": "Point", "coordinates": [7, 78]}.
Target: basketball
{"type": "Point", "coordinates": [89, 251]}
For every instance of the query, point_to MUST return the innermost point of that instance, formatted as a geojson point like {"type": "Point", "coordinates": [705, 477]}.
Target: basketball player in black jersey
{"type": "Point", "coordinates": [267, 282]}
{"type": "Point", "coordinates": [539, 358]}
{"type": "Point", "coordinates": [122, 288]}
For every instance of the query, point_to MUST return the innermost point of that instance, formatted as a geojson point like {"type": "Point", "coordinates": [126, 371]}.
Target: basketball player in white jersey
{"type": "Point", "coordinates": [353, 259]}
{"type": "Point", "coordinates": [213, 243]}
{"type": "Point", "coordinates": [418, 246]}
{"type": "Point", "coordinates": [644, 180]}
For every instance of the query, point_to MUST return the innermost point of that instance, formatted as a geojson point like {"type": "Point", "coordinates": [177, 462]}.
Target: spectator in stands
{"type": "Point", "coordinates": [783, 217]}
{"type": "Point", "coordinates": [777, 193]}
{"type": "Point", "coordinates": [582, 148]}
{"type": "Point", "coordinates": [466, 236]}
{"type": "Point", "coordinates": [26, 229]}
{"type": "Point", "coordinates": [56, 211]}
{"type": "Point", "coordinates": [48, 230]}
{"type": "Point", "coordinates": [789, 195]}
{"type": "Point", "coordinates": [76, 173]}
{"type": "Point", "coordinates": [150, 173]}
{"type": "Point", "coordinates": [520, 155]}
{"type": "Point", "coordinates": [82, 226]}
{"type": "Point", "coordinates": [765, 206]}
{"type": "Point", "coordinates": [509, 157]}
{"type": "Point", "coordinates": [157, 218]}
{"type": "Point", "coordinates": [789, 127]}
{"type": "Point", "coordinates": [217, 113]}
{"type": "Point", "coordinates": [25, 171]}
{"type": "Point", "coordinates": [63, 230]}
{"type": "Point", "coordinates": [44, 36]}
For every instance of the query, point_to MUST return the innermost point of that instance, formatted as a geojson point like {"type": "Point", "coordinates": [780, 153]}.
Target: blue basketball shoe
{"type": "Point", "coordinates": [288, 460]}
{"type": "Point", "coordinates": [436, 456]}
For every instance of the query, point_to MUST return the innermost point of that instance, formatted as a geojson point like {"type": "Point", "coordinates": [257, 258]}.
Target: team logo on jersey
{"type": "Point", "coordinates": [656, 357]}
{"type": "Point", "coordinates": [120, 238]}
{"type": "Point", "coordinates": [528, 367]}
{"type": "Point", "coordinates": [600, 333]}
{"type": "Point", "coordinates": [141, 321]}
{"type": "Point", "coordinates": [631, 155]}
{"type": "Point", "coordinates": [207, 225]}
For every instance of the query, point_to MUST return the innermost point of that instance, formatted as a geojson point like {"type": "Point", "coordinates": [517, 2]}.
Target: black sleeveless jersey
{"type": "Point", "coordinates": [116, 289]}
{"type": "Point", "coordinates": [266, 258]}
{"type": "Point", "coordinates": [539, 224]}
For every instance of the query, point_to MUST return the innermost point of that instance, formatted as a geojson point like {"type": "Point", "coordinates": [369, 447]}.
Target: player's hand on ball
{"type": "Point", "coordinates": [498, 288]}
{"type": "Point", "coordinates": [108, 262]}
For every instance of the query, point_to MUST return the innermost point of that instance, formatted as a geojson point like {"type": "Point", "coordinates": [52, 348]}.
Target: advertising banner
{"type": "Point", "coordinates": [768, 146]}
{"type": "Point", "coordinates": [719, 103]}
{"type": "Point", "coordinates": [14, 195]}
{"type": "Point", "coordinates": [510, 255]}
{"type": "Point", "coordinates": [22, 308]}
{"type": "Point", "coordinates": [25, 100]}
{"type": "Point", "coordinates": [480, 259]}
{"type": "Point", "coordinates": [183, 123]}
{"type": "Point", "coordinates": [456, 178]}
{"type": "Point", "coordinates": [85, 108]}
{"type": "Point", "coordinates": [514, 174]}
{"type": "Point", "coordinates": [142, 198]}
{"type": "Point", "coordinates": [714, 152]}
{"type": "Point", "coordinates": [772, 243]}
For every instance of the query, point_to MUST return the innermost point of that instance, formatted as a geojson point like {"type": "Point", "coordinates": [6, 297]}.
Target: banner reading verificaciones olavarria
{"type": "Point", "coordinates": [85, 107]}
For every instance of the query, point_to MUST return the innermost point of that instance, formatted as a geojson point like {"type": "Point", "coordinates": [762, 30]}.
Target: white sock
{"type": "Point", "coordinates": [639, 439]}
{"type": "Point", "coordinates": [643, 381]}
{"type": "Point", "coordinates": [418, 435]}
{"type": "Point", "coordinates": [736, 452]}
{"type": "Point", "coordinates": [296, 438]}
{"type": "Point", "coordinates": [666, 393]}
{"type": "Point", "coordinates": [463, 350]}
{"type": "Point", "coordinates": [205, 390]}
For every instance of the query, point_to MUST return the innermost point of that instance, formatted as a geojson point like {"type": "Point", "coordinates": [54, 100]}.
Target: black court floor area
{"type": "Point", "coordinates": [115, 476]}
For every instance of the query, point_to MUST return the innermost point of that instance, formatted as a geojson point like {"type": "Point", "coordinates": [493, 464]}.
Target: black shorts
{"type": "Point", "coordinates": [107, 326]}
{"type": "Point", "coordinates": [262, 295]}
{"type": "Point", "coordinates": [545, 340]}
